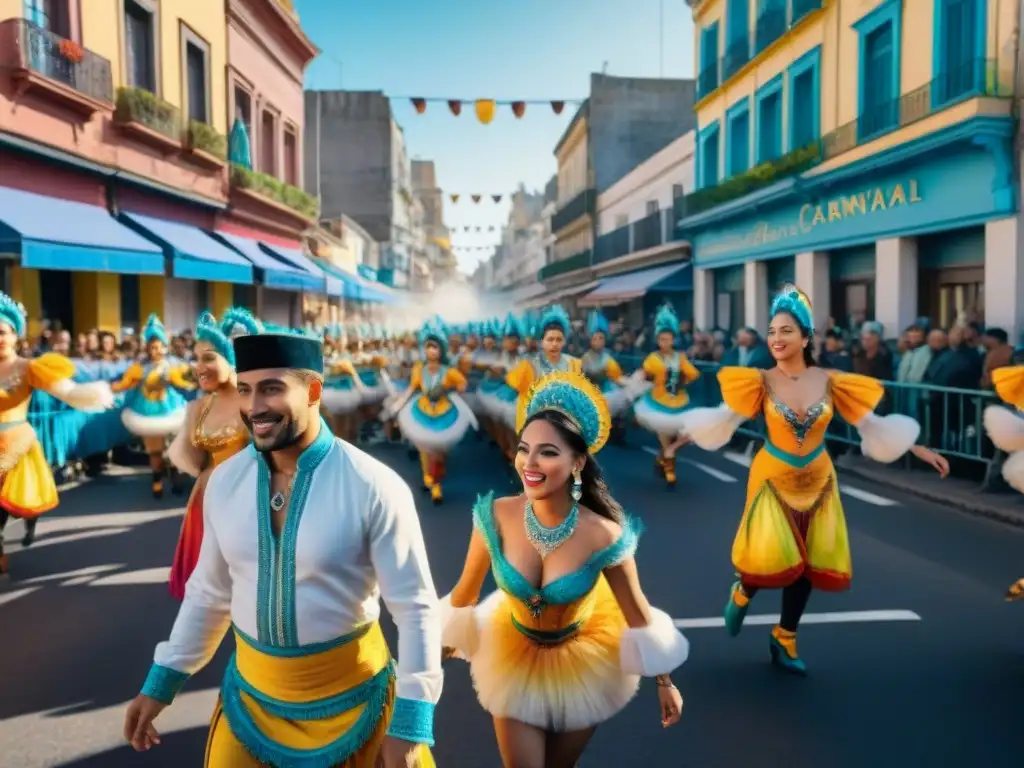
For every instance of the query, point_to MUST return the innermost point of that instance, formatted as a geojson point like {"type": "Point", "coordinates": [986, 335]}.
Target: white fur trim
{"type": "Point", "coordinates": [1005, 428]}
{"type": "Point", "coordinates": [432, 440]}
{"type": "Point", "coordinates": [618, 400]}
{"type": "Point", "coordinates": [90, 396]}
{"type": "Point", "coordinates": [711, 428]}
{"type": "Point", "coordinates": [183, 455]}
{"type": "Point", "coordinates": [153, 426]}
{"type": "Point", "coordinates": [656, 421]}
{"type": "Point", "coordinates": [1013, 470]}
{"type": "Point", "coordinates": [341, 400]}
{"type": "Point", "coordinates": [459, 629]}
{"type": "Point", "coordinates": [887, 438]}
{"type": "Point", "coordinates": [656, 649]}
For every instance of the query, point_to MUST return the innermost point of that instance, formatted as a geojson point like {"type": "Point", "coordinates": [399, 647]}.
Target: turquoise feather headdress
{"type": "Point", "coordinates": [666, 321]}
{"type": "Point", "coordinates": [154, 329]}
{"type": "Point", "coordinates": [597, 323]}
{"type": "Point", "coordinates": [436, 332]}
{"type": "Point", "coordinates": [512, 327]}
{"type": "Point", "coordinates": [12, 313]}
{"type": "Point", "coordinates": [793, 301]}
{"type": "Point", "coordinates": [555, 316]}
{"type": "Point", "coordinates": [239, 321]}
{"type": "Point", "coordinates": [209, 332]}
{"type": "Point", "coordinates": [574, 396]}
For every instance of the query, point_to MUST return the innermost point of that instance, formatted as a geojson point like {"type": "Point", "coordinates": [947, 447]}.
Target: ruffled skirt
{"type": "Point", "coordinates": [435, 434]}
{"type": "Point", "coordinates": [500, 404]}
{"type": "Point", "coordinates": [571, 686]}
{"type": "Point", "coordinates": [28, 489]}
{"type": "Point", "coordinates": [340, 400]}
{"type": "Point", "coordinates": [658, 418]}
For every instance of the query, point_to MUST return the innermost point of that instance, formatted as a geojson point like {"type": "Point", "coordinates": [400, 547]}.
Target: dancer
{"type": "Point", "coordinates": [304, 532]}
{"type": "Point", "coordinates": [661, 410]}
{"type": "Point", "coordinates": [793, 531]}
{"type": "Point", "coordinates": [1006, 430]}
{"type": "Point", "coordinates": [601, 368]}
{"type": "Point", "coordinates": [552, 662]}
{"type": "Point", "coordinates": [344, 392]}
{"type": "Point", "coordinates": [480, 360]}
{"type": "Point", "coordinates": [213, 433]}
{"type": "Point", "coordinates": [436, 419]}
{"type": "Point", "coordinates": [498, 398]}
{"type": "Point", "coordinates": [27, 488]}
{"type": "Point", "coordinates": [154, 407]}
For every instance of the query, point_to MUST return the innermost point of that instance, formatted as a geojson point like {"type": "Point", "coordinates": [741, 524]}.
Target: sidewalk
{"type": "Point", "coordinates": [965, 495]}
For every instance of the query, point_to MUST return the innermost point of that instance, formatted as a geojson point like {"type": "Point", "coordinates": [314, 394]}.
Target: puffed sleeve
{"type": "Point", "coordinates": [612, 369]}
{"type": "Point", "coordinates": [520, 377]}
{"type": "Point", "coordinates": [180, 377]}
{"type": "Point", "coordinates": [743, 398]}
{"type": "Point", "coordinates": [883, 438]}
{"type": "Point", "coordinates": [652, 366]}
{"type": "Point", "coordinates": [54, 373]}
{"type": "Point", "coordinates": [344, 366]}
{"type": "Point", "coordinates": [688, 369]}
{"type": "Point", "coordinates": [1009, 385]}
{"type": "Point", "coordinates": [183, 453]}
{"type": "Point", "coordinates": [416, 377]}
{"type": "Point", "coordinates": [454, 379]}
{"type": "Point", "coordinates": [129, 380]}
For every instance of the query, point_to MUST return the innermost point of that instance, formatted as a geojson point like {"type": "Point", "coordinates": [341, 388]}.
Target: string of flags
{"type": "Point", "coordinates": [467, 248]}
{"type": "Point", "coordinates": [487, 109]}
{"type": "Point", "coordinates": [477, 229]}
{"type": "Point", "coordinates": [455, 197]}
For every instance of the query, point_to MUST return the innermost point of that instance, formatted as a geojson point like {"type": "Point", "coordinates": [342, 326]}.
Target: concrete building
{"type": "Point", "coordinates": [123, 112]}
{"type": "Point", "coordinates": [442, 263]}
{"type": "Point", "coordinates": [622, 123]}
{"type": "Point", "coordinates": [864, 150]}
{"type": "Point", "coordinates": [521, 252]}
{"type": "Point", "coordinates": [356, 163]}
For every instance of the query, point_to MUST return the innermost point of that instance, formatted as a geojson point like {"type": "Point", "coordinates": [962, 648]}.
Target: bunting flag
{"type": "Point", "coordinates": [487, 109]}
{"type": "Point", "coordinates": [473, 248]}
{"type": "Point", "coordinates": [469, 228]}
{"type": "Point", "coordinates": [476, 198]}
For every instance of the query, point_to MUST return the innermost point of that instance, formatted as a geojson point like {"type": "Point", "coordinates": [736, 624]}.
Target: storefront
{"type": "Point", "coordinates": [927, 228]}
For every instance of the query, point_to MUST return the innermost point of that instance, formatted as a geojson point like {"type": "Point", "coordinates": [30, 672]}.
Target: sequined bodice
{"type": "Point", "coordinates": [221, 443]}
{"type": "Point", "coordinates": [794, 432]}
{"type": "Point", "coordinates": [15, 394]}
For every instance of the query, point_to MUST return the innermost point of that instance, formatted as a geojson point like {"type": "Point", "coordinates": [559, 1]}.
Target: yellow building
{"type": "Point", "coordinates": [864, 150]}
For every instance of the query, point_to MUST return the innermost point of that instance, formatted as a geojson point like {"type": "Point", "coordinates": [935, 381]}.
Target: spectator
{"type": "Point", "coordinates": [834, 354]}
{"type": "Point", "coordinates": [750, 351]}
{"type": "Point", "coordinates": [998, 354]}
{"type": "Point", "coordinates": [873, 358]}
{"type": "Point", "coordinates": [916, 357]}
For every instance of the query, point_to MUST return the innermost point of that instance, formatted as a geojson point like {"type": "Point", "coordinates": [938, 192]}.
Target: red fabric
{"type": "Point", "coordinates": [186, 554]}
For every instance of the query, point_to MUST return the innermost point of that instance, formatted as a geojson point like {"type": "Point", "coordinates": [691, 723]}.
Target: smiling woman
{"type": "Point", "coordinates": [562, 644]}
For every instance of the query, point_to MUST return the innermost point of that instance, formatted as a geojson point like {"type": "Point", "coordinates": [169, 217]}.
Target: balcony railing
{"type": "Point", "coordinates": [137, 105]}
{"type": "Point", "coordinates": [579, 260]}
{"type": "Point", "coordinates": [579, 206]}
{"type": "Point", "coordinates": [648, 232]}
{"type": "Point", "coordinates": [27, 46]}
{"type": "Point", "coordinates": [707, 80]}
{"type": "Point", "coordinates": [612, 245]}
{"type": "Point", "coordinates": [737, 53]}
{"type": "Point", "coordinates": [970, 80]}
{"type": "Point", "coordinates": [771, 25]}
{"type": "Point", "coordinates": [677, 213]}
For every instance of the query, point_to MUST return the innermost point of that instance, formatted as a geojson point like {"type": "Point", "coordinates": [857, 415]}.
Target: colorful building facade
{"type": "Point", "coordinates": [118, 199]}
{"type": "Point", "coordinates": [864, 150]}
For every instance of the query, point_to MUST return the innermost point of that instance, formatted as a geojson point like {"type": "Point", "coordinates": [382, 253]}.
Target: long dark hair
{"type": "Point", "coordinates": [809, 360]}
{"type": "Point", "coordinates": [596, 496]}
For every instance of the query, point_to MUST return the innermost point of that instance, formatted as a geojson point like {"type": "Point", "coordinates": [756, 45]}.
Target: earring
{"type": "Point", "coordinates": [577, 486]}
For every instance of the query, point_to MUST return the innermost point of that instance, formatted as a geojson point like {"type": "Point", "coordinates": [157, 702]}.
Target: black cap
{"type": "Point", "coordinates": [278, 350]}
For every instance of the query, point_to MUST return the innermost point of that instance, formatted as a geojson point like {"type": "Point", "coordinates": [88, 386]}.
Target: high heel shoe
{"type": "Point", "coordinates": [736, 609]}
{"type": "Point", "coordinates": [782, 646]}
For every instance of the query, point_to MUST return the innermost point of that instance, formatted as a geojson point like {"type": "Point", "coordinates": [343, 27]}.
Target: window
{"type": "Point", "coordinates": [197, 76]}
{"type": "Point", "coordinates": [959, 49]}
{"type": "Point", "coordinates": [769, 121]}
{"type": "Point", "coordinates": [243, 109]}
{"type": "Point", "coordinates": [268, 144]}
{"type": "Point", "coordinates": [707, 78]}
{"type": "Point", "coordinates": [805, 100]}
{"type": "Point", "coordinates": [621, 220]}
{"type": "Point", "coordinates": [652, 207]}
{"type": "Point", "coordinates": [53, 15]}
{"type": "Point", "coordinates": [879, 90]}
{"type": "Point", "coordinates": [140, 44]}
{"type": "Point", "coordinates": [291, 158]}
{"type": "Point", "coordinates": [737, 30]}
{"type": "Point", "coordinates": [737, 138]}
{"type": "Point", "coordinates": [677, 191]}
{"type": "Point", "coordinates": [707, 150]}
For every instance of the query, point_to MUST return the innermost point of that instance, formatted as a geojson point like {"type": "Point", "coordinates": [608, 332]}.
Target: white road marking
{"type": "Point", "coordinates": [10, 597]}
{"type": "Point", "coordinates": [144, 576]}
{"type": "Point", "coordinates": [835, 617]}
{"type": "Point", "coordinates": [879, 501]}
{"type": "Point", "coordinates": [91, 571]}
{"type": "Point", "coordinates": [715, 473]}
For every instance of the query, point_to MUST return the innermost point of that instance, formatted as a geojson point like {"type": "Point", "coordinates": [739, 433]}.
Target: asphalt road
{"type": "Point", "coordinates": [933, 677]}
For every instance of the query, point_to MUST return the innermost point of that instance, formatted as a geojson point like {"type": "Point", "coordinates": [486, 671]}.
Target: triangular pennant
{"type": "Point", "coordinates": [485, 109]}
{"type": "Point", "coordinates": [420, 105]}
{"type": "Point", "coordinates": [518, 108]}
{"type": "Point", "coordinates": [496, 198]}
{"type": "Point", "coordinates": [454, 198]}
{"type": "Point", "coordinates": [456, 107]}
{"type": "Point", "coordinates": [557, 107]}
{"type": "Point", "coordinates": [476, 198]}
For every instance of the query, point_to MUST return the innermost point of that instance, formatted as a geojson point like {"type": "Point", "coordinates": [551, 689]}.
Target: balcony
{"type": "Point", "coordinates": [736, 55]}
{"type": "Point", "coordinates": [648, 232]}
{"type": "Point", "coordinates": [707, 80]}
{"type": "Point", "coordinates": [581, 205]}
{"type": "Point", "coordinates": [974, 79]}
{"type": "Point", "coordinates": [580, 260]}
{"type": "Point", "coordinates": [771, 25]}
{"type": "Point", "coordinates": [55, 68]}
{"type": "Point", "coordinates": [148, 119]}
{"type": "Point", "coordinates": [613, 245]}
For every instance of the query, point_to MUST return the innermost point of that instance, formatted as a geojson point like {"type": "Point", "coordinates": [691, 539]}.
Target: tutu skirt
{"type": "Point", "coordinates": [570, 686]}
{"type": "Point", "coordinates": [341, 400]}
{"type": "Point", "coordinates": [434, 434]}
{"type": "Point", "coordinates": [657, 418]}
{"type": "Point", "coordinates": [500, 404]}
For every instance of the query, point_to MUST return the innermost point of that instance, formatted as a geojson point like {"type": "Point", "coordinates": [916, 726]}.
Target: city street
{"type": "Point", "coordinates": [921, 663]}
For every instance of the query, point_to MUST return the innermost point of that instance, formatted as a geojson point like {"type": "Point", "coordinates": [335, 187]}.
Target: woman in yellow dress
{"type": "Point", "coordinates": [431, 414]}
{"type": "Point", "coordinates": [1006, 430]}
{"type": "Point", "coordinates": [661, 409]}
{"type": "Point", "coordinates": [554, 328]}
{"type": "Point", "coordinates": [27, 488]}
{"type": "Point", "coordinates": [214, 430]}
{"type": "Point", "coordinates": [793, 533]}
{"type": "Point", "coordinates": [154, 408]}
{"type": "Point", "coordinates": [561, 646]}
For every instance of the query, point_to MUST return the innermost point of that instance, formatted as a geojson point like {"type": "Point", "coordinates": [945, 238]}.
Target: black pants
{"type": "Point", "coordinates": [30, 526]}
{"type": "Point", "coordinates": [794, 602]}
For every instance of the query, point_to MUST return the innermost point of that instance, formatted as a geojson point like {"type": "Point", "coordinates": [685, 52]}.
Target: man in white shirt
{"type": "Point", "coordinates": [303, 534]}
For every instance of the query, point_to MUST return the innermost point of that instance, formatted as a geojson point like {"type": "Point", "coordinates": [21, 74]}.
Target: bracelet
{"type": "Point", "coordinates": [664, 681]}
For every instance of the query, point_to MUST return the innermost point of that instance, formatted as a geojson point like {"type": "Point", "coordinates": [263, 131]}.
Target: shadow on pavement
{"type": "Point", "coordinates": [180, 748]}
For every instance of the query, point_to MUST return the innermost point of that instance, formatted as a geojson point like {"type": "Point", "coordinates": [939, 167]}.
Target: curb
{"type": "Point", "coordinates": [976, 506]}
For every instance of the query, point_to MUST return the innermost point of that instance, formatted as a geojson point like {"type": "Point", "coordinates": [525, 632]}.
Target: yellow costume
{"type": "Point", "coordinates": [28, 488]}
{"type": "Point", "coordinates": [533, 367]}
{"type": "Point", "coordinates": [660, 409]}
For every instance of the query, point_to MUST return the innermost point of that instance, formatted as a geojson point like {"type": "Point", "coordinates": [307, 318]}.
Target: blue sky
{"type": "Point", "coordinates": [527, 49]}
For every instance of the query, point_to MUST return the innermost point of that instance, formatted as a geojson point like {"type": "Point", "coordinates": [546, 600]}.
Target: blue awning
{"type": "Point", "coordinates": [194, 255]}
{"type": "Point", "coordinates": [619, 289]}
{"type": "Point", "coordinates": [349, 283]}
{"type": "Point", "coordinates": [297, 259]}
{"type": "Point", "coordinates": [270, 270]}
{"type": "Point", "coordinates": [51, 233]}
